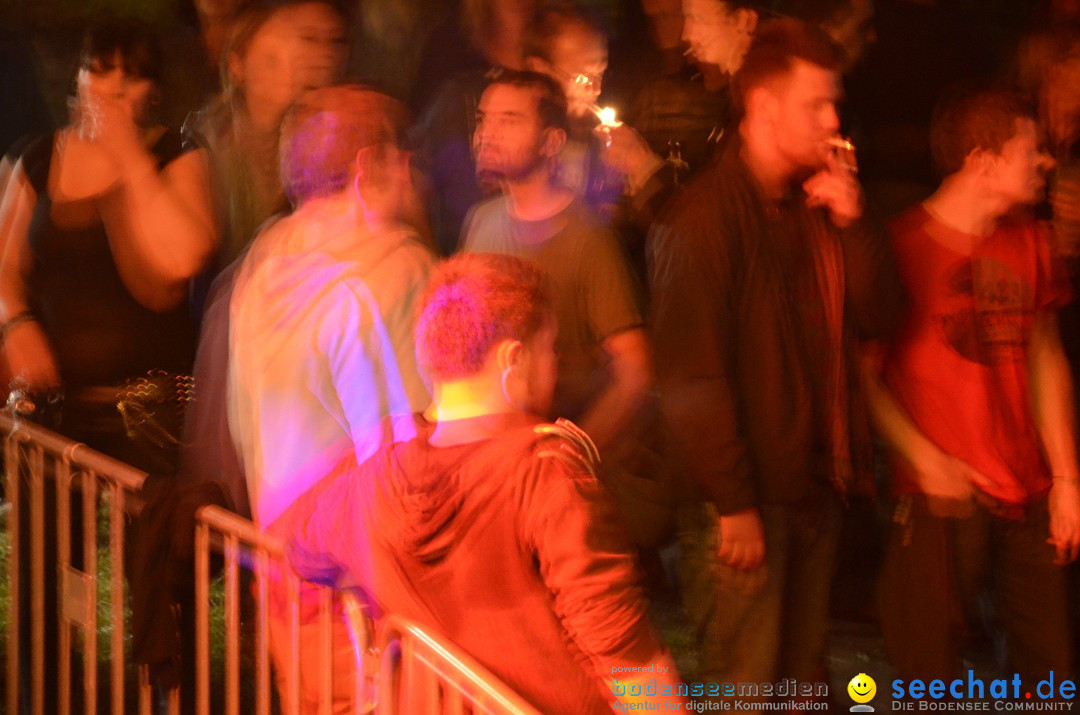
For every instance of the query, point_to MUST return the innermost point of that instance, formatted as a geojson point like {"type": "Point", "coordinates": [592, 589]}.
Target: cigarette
{"type": "Point", "coordinates": [840, 143]}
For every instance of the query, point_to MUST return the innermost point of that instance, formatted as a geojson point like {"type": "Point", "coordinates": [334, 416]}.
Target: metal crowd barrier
{"type": "Point", "coordinates": [244, 546]}
{"type": "Point", "coordinates": [423, 674]}
{"type": "Point", "coordinates": [37, 460]}
{"type": "Point", "coordinates": [404, 670]}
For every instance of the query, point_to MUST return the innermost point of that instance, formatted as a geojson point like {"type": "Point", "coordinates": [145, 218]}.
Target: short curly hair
{"type": "Point", "coordinates": [969, 118]}
{"type": "Point", "coordinates": [474, 302]}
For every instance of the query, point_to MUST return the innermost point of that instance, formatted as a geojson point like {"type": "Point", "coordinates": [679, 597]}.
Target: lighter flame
{"type": "Point", "coordinates": [606, 115]}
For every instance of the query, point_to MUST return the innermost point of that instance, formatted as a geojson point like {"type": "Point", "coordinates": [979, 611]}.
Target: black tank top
{"type": "Point", "coordinates": [100, 334]}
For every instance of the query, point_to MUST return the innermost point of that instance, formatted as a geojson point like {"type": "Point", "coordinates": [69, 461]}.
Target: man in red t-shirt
{"type": "Point", "coordinates": [974, 399]}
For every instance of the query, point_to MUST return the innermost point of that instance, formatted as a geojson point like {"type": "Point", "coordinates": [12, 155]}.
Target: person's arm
{"type": "Point", "coordinates": [632, 380]}
{"type": "Point", "coordinates": [161, 228]}
{"type": "Point", "coordinates": [1055, 419]}
{"type": "Point", "coordinates": [691, 276]}
{"type": "Point", "coordinates": [26, 348]}
{"type": "Point", "coordinates": [615, 320]}
{"type": "Point", "coordinates": [160, 223]}
{"type": "Point", "coordinates": [650, 180]}
{"type": "Point", "coordinates": [321, 529]}
{"type": "Point", "coordinates": [586, 564]}
{"type": "Point", "coordinates": [873, 291]}
{"type": "Point", "coordinates": [358, 355]}
{"type": "Point", "coordinates": [948, 482]}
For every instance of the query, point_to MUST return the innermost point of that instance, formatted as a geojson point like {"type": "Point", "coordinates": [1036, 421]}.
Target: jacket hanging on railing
{"type": "Point", "coordinates": [160, 563]}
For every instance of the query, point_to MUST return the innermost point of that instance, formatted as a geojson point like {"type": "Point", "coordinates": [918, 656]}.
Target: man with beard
{"type": "Point", "coordinates": [605, 362]}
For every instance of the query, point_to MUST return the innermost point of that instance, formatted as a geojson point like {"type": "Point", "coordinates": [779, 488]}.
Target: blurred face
{"type": "Point", "coordinates": [106, 81]}
{"type": "Point", "coordinates": [300, 47]}
{"type": "Point", "coordinates": [539, 368]}
{"type": "Point", "coordinates": [716, 35]}
{"type": "Point", "coordinates": [1018, 174]}
{"type": "Point", "coordinates": [854, 30]}
{"type": "Point", "coordinates": [217, 9]}
{"type": "Point", "coordinates": [665, 22]}
{"type": "Point", "coordinates": [805, 117]}
{"type": "Point", "coordinates": [508, 142]}
{"type": "Point", "coordinates": [579, 60]}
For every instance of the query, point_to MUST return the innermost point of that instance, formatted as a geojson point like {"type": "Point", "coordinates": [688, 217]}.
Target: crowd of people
{"type": "Point", "coordinates": [480, 347]}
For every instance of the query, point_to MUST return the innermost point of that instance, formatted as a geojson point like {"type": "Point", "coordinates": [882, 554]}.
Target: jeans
{"type": "Point", "coordinates": [769, 623]}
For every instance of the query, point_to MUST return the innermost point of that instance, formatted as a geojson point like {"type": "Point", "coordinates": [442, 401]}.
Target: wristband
{"type": "Point", "coordinates": [14, 322]}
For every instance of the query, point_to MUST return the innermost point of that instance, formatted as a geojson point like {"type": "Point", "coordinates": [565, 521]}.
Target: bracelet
{"type": "Point", "coordinates": [14, 322]}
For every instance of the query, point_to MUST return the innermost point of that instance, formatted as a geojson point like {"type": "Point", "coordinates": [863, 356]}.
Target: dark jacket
{"type": "Point", "coordinates": [737, 323]}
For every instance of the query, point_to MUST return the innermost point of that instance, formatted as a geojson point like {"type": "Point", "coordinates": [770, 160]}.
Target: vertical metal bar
{"type": "Point", "coordinates": [326, 650]}
{"type": "Point", "coordinates": [145, 692]}
{"type": "Point", "coordinates": [202, 618]}
{"type": "Point", "coordinates": [262, 636]}
{"type": "Point", "coordinates": [429, 685]}
{"type": "Point", "coordinates": [12, 452]}
{"type": "Point", "coordinates": [407, 686]}
{"type": "Point", "coordinates": [116, 556]}
{"type": "Point", "coordinates": [174, 701]}
{"type": "Point", "coordinates": [89, 505]}
{"type": "Point", "coordinates": [292, 587]}
{"type": "Point", "coordinates": [232, 627]}
{"type": "Point", "coordinates": [389, 666]}
{"type": "Point", "coordinates": [63, 561]}
{"type": "Point", "coordinates": [453, 702]}
{"type": "Point", "coordinates": [37, 576]}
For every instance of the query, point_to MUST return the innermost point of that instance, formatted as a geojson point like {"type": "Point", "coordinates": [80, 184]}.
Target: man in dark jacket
{"type": "Point", "coordinates": [762, 277]}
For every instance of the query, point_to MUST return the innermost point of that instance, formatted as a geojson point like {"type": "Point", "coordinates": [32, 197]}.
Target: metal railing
{"type": "Point", "coordinates": [423, 674]}
{"type": "Point", "coordinates": [37, 461]}
{"type": "Point", "coordinates": [244, 546]}
{"type": "Point", "coordinates": [415, 671]}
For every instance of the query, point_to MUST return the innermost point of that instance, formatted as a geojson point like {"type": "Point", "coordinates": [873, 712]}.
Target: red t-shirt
{"type": "Point", "coordinates": [959, 366]}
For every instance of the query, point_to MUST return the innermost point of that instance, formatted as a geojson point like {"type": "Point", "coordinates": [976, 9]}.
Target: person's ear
{"type": "Point", "coordinates": [981, 161]}
{"type": "Point", "coordinates": [554, 139]}
{"type": "Point", "coordinates": [362, 162]}
{"type": "Point", "coordinates": [235, 68]}
{"type": "Point", "coordinates": [508, 354]}
{"type": "Point", "coordinates": [760, 102]}
{"type": "Point", "coordinates": [746, 21]}
{"type": "Point", "coordinates": [535, 64]}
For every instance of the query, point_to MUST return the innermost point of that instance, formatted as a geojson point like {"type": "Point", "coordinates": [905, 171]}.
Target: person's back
{"type": "Point", "coordinates": [484, 542]}
{"type": "Point", "coordinates": [321, 348]}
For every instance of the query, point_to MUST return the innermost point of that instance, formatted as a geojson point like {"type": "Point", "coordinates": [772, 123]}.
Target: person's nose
{"type": "Point", "coordinates": [112, 85]}
{"type": "Point", "coordinates": [481, 135]}
{"type": "Point", "coordinates": [1046, 162]}
{"type": "Point", "coordinates": [832, 119]}
{"type": "Point", "coordinates": [687, 31]}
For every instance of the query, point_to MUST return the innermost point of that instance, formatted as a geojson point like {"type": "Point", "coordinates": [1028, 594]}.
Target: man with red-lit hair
{"type": "Point", "coordinates": [490, 526]}
{"type": "Point", "coordinates": [974, 399]}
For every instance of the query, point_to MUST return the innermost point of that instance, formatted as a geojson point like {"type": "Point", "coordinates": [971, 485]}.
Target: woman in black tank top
{"type": "Point", "coordinates": [104, 221]}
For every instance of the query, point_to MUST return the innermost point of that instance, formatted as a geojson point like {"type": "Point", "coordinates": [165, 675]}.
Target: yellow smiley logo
{"type": "Point", "coordinates": [862, 688]}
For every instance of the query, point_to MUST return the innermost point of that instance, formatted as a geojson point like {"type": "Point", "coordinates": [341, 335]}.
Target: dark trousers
{"type": "Point", "coordinates": [770, 623]}
{"type": "Point", "coordinates": [936, 568]}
